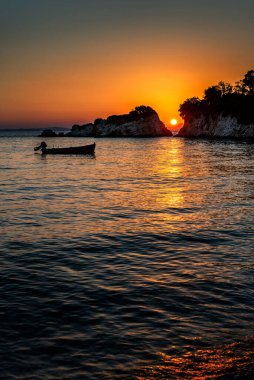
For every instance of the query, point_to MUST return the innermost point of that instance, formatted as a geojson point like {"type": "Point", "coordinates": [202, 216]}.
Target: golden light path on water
{"type": "Point", "coordinates": [161, 179]}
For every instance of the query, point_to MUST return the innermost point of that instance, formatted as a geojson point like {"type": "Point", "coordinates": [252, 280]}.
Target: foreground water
{"type": "Point", "coordinates": [135, 264]}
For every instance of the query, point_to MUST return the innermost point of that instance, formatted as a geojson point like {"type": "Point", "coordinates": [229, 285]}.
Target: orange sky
{"type": "Point", "coordinates": [54, 72]}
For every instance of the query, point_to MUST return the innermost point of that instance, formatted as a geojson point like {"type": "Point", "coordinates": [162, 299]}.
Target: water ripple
{"type": "Point", "coordinates": [127, 266]}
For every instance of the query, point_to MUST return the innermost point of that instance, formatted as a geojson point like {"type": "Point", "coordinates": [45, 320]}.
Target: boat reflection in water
{"type": "Point", "coordinates": [86, 149]}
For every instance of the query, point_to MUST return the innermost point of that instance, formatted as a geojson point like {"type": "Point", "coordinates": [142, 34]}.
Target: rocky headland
{"type": "Point", "coordinates": [143, 121]}
{"type": "Point", "coordinates": [225, 111]}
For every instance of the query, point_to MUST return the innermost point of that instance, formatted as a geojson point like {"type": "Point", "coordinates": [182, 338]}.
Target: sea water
{"type": "Point", "coordinates": [137, 263]}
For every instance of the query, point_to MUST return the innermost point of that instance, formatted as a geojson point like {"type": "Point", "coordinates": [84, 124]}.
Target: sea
{"type": "Point", "coordinates": [133, 264]}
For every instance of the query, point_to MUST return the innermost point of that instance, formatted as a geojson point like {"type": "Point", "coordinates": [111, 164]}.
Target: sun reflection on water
{"type": "Point", "coordinates": [232, 361]}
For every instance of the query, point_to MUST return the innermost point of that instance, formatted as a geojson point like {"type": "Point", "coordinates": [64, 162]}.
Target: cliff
{"type": "Point", "coordinates": [218, 126]}
{"type": "Point", "coordinates": [143, 121]}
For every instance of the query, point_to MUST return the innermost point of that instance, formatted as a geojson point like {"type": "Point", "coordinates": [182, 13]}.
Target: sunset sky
{"type": "Point", "coordinates": [71, 61]}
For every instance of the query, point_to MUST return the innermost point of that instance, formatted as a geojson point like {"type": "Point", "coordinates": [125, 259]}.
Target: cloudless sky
{"type": "Point", "coordinates": [71, 61]}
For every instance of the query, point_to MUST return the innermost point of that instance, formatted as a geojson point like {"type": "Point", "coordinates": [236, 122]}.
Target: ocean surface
{"type": "Point", "coordinates": [137, 263]}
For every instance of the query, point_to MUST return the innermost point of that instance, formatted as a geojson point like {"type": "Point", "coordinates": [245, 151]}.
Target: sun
{"type": "Point", "coordinates": [173, 121]}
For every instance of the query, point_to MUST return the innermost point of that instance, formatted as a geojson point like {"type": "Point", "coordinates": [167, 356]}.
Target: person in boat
{"type": "Point", "coordinates": [42, 146]}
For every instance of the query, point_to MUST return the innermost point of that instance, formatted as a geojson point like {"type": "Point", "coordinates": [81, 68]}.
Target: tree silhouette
{"type": "Point", "coordinates": [225, 88]}
{"type": "Point", "coordinates": [144, 110]}
{"type": "Point", "coordinates": [224, 99]}
{"type": "Point", "coordinates": [248, 82]}
{"type": "Point", "coordinates": [212, 95]}
{"type": "Point", "coordinates": [135, 115]}
{"type": "Point", "coordinates": [190, 107]}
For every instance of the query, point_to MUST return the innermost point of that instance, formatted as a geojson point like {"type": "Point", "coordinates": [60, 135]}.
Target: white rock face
{"type": "Point", "coordinates": [149, 126]}
{"type": "Point", "coordinates": [221, 126]}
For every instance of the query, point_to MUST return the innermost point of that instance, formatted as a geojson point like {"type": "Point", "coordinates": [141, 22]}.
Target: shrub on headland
{"type": "Point", "coordinates": [134, 115]}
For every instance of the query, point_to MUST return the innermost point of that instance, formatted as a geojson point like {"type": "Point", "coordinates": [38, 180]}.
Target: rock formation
{"type": "Point", "coordinates": [48, 133]}
{"type": "Point", "coordinates": [143, 121]}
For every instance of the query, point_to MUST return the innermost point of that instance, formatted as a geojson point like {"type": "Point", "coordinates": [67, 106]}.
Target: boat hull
{"type": "Point", "coordinates": [86, 149]}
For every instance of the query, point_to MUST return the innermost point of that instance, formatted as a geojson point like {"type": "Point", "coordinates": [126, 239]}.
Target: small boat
{"type": "Point", "coordinates": [86, 149]}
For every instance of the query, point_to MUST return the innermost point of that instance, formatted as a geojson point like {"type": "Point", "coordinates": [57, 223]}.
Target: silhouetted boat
{"type": "Point", "coordinates": [86, 149]}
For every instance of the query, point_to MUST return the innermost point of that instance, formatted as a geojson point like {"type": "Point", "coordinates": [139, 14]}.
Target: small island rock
{"type": "Point", "coordinates": [143, 121]}
{"type": "Point", "coordinates": [48, 133]}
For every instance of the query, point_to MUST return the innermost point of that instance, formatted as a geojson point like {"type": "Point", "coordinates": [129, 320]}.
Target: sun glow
{"type": "Point", "coordinates": [173, 121]}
